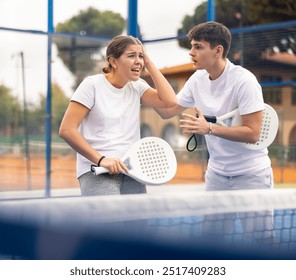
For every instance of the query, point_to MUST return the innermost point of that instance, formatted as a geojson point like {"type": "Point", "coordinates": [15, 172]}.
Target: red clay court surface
{"type": "Point", "coordinates": [14, 173]}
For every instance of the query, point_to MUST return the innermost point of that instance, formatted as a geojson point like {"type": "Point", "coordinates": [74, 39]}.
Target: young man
{"type": "Point", "coordinates": [216, 88]}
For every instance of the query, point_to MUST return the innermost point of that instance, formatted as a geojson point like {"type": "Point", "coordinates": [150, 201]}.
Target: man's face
{"type": "Point", "coordinates": [203, 56]}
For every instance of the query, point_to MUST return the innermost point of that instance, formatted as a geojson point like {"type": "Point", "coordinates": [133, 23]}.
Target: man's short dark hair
{"type": "Point", "coordinates": [214, 33]}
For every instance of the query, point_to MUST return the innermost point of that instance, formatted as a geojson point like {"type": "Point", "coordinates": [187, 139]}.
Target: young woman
{"type": "Point", "coordinates": [102, 119]}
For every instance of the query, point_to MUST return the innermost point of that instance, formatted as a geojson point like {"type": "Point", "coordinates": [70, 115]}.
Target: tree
{"type": "Point", "coordinates": [269, 11]}
{"type": "Point", "coordinates": [189, 22]}
{"type": "Point", "coordinates": [78, 53]}
{"type": "Point", "coordinates": [59, 105]}
{"type": "Point", "coordinates": [9, 111]}
{"type": "Point", "coordinates": [238, 13]}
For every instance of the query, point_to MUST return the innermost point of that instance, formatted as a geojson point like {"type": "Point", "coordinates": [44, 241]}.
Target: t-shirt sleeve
{"type": "Point", "coordinates": [185, 95]}
{"type": "Point", "coordinates": [250, 96]}
{"type": "Point", "coordinates": [85, 93]}
{"type": "Point", "coordinates": [141, 86]}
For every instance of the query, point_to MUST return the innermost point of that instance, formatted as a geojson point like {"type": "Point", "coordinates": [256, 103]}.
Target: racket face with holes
{"type": "Point", "coordinates": [151, 160]}
{"type": "Point", "coordinates": [269, 128]}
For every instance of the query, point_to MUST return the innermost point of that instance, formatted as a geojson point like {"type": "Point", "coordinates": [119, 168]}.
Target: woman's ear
{"type": "Point", "coordinates": [112, 62]}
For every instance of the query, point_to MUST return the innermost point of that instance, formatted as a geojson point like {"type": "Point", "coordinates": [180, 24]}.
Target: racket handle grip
{"type": "Point", "coordinates": [96, 170]}
{"type": "Point", "coordinates": [211, 119]}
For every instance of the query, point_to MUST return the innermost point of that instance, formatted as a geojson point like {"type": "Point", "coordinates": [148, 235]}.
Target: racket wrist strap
{"type": "Point", "coordinates": [101, 158]}
{"type": "Point", "coordinates": [210, 129]}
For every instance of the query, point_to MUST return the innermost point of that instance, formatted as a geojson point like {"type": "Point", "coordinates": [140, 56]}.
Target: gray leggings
{"type": "Point", "coordinates": [106, 184]}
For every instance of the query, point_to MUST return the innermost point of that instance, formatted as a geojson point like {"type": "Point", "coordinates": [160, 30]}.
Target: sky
{"type": "Point", "coordinates": [157, 19]}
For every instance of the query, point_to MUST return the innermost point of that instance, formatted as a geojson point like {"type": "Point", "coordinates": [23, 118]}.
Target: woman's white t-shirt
{"type": "Point", "coordinates": [236, 87]}
{"type": "Point", "coordinates": [113, 122]}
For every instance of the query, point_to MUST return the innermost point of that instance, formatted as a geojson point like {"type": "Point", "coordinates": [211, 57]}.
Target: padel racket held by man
{"type": "Point", "coordinates": [268, 131]}
{"type": "Point", "coordinates": [151, 160]}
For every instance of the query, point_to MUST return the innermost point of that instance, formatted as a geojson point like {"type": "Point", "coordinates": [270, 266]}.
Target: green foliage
{"type": "Point", "coordinates": [190, 21]}
{"type": "Point", "coordinates": [9, 109]}
{"type": "Point", "coordinates": [237, 13]}
{"type": "Point", "coordinates": [93, 22]}
{"type": "Point", "coordinates": [77, 53]}
{"type": "Point", "coordinates": [59, 103]}
{"type": "Point", "coordinates": [12, 113]}
{"type": "Point", "coordinates": [269, 11]}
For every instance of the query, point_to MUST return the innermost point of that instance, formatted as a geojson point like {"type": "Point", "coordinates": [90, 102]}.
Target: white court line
{"type": "Point", "coordinates": [167, 188]}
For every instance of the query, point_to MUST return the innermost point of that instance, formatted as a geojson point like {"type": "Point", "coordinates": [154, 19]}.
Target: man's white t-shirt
{"type": "Point", "coordinates": [113, 123]}
{"type": "Point", "coordinates": [236, 87]}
